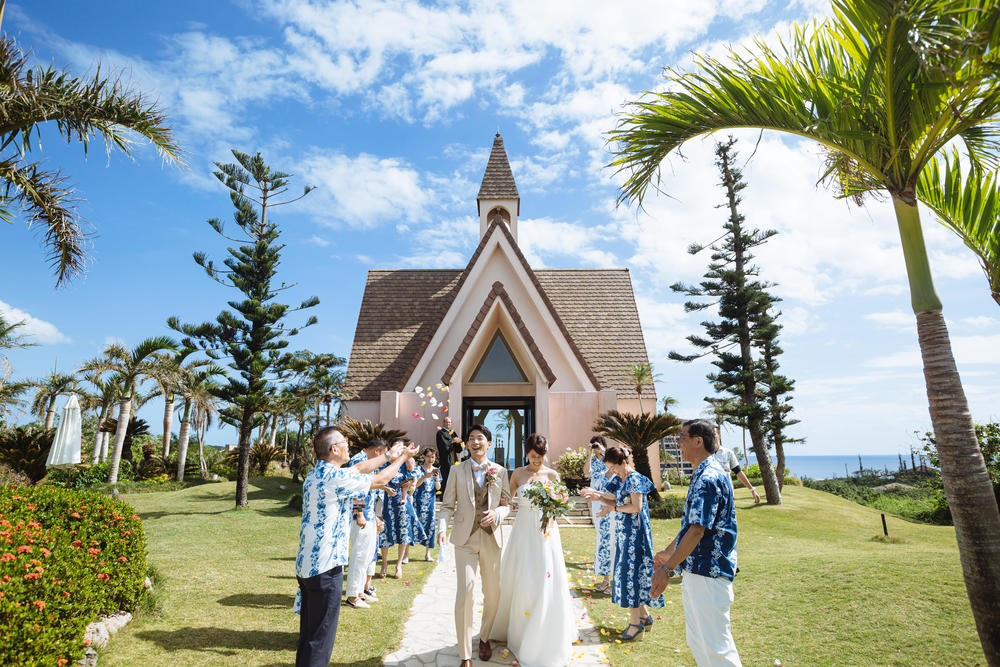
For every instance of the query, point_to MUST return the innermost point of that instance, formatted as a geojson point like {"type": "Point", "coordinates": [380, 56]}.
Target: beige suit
{"type": "Point", "coordinates": [475, 547]}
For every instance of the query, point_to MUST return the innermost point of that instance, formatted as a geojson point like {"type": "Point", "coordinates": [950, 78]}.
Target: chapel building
{"type": "Point", "coordinates": [521, 350]}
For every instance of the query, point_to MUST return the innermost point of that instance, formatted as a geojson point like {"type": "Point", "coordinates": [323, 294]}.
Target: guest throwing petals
{"type": "Point", "coordinates": [634, 550]}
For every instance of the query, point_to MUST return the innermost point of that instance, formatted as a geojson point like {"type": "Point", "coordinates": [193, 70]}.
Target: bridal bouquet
{"type": "Point", "coordinates": [552, 499]}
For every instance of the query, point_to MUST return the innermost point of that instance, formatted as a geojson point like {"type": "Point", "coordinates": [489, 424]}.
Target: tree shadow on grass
{"type": "Point", "coordinates": [222, 641]}
{"type": "Point", "coordinates": [284, 510]}
{"type": "Point", "coordinates": [259, 600]}
{"type": "Point", "coordinates": [159, 515]}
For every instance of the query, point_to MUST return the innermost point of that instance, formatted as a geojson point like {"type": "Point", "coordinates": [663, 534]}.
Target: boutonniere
{"type": "Point", "coordinates": [492, 474]}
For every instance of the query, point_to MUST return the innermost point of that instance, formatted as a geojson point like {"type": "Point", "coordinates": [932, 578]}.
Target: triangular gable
{"type": "Point", "coordinates": [498, 363]}
{"type": "Point", "coordinates": [500, 229]}
{"type": "Point", "coordinates": [498, 292]}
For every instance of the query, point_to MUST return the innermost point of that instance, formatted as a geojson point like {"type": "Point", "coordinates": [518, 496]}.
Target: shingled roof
{"type": "Point", "coordinates": [498, 180]}
{"type": "Point", "coordinates": [401, 310]}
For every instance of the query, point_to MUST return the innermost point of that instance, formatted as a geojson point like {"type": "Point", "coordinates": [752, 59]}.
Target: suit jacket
{"type": "Point", "coordinates": [459, 501]}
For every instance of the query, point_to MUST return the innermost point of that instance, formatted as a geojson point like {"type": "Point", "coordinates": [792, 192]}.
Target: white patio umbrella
{"type": "Point", "coordinates": [65, 452]}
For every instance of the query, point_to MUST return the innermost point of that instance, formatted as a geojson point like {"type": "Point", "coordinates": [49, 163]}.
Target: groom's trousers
{"type": "Point", "coordinates": [480, 552]}
{"type": "Point", "coordinates": [361, 565]}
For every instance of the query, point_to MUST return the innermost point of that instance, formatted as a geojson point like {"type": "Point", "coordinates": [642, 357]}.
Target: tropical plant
{"type": "Point", "coordinates": [10, 397]}
{"type": "Point", "coordinates": [641, 376]}
{"type": "Point", "coordinates": [732, 283]}
{"type": "Point", "coordinates": [195, 383]}
{"type": "Point", "coordinates": [883, 87]}
{"type": "Point", "coordinates": [47, 390]}
{"type": "Point", "coordinates": [968, 206]}
{"type": "Point", "coordinates": [262, 455]}
{"type": "Point", "coordinates": [25, 448]}
{"type": "Point", "coordinates": [167, 374]}
{"type": "Point", "coordinates": [136, 432]}
{"type": "Point", "coordinates": [108, 394]}
{"type": "Point", "coordinates": [638, 432]}
{"type": "Point", "coordinates": [360, 432]}
{"type": "Point", "coordinates": [133, 367]}
{"type": "Point", "coordinates": [204, 407]}
{"type": "Point", "coordinates": [78, 110]}
{"type": "Point", "coordinates": [253, 334]}
{"type": "Point", "coordinates": [9, 339]}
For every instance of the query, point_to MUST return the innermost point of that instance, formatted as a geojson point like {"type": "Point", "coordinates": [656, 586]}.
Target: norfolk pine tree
{"type": "Point", "coordinates": [741, 300]}
{"type": "Point", "coordinates": [252, 334]}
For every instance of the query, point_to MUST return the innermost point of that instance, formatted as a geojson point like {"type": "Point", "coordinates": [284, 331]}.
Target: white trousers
{"type": "Point", "coordinates": [360, 566]}
{"type": "Point", "coordinates": [706, 615]}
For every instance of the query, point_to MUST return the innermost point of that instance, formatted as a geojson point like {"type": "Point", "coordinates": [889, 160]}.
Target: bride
{"type": "Point", "coordinates": [535, 615]}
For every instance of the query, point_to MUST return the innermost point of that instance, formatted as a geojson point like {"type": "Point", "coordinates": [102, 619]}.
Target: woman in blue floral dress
{"type": "Point", "coordinates": [634, 550]}
{"type": "Point", "coordinates": [401, 525]}
{"type": "Point", "coordinates": [600, 482]}
{"type": "Point", "coordinates": [428, 485]}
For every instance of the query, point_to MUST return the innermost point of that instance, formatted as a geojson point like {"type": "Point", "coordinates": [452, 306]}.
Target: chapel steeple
{"type": "Point", "coordinates": [498, 193]}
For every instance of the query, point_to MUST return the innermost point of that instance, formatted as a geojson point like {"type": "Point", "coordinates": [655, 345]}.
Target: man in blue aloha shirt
{"type": "Point", "coordinates": [704, 550]}
{"type": "Point", "coordinates": [328, 493]}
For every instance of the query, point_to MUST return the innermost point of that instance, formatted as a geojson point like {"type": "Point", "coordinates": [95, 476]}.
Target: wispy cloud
{"type": "Point", "coordinates": [38, 331]}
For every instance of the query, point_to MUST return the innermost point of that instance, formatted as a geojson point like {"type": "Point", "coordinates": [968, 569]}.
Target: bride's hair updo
{"type": "Point", "coordinates": [616, 455]}
{"type": "Point", "coordinates": [536, 443]}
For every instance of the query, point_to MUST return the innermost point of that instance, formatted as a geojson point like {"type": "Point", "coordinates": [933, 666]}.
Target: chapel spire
{"type": "Point", "coordinates": [498, 195]}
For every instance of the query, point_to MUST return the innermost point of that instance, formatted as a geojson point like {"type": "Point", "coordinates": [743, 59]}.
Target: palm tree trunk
{"type": "Point", "coordinates": [98, 435]}
{"type": "Point", "coordinates": [966, 482]}
{"type": "Point", "coordinates": [274, 430]}
{"type": "Point", "coordinates": [201, 450]}
{"type": "Point", "coordinates": [168, 423]}
{"type": "Point", "coordinates": [124, 414]}
{"type": "Point", "coordinates": [182, 440]}
{"type": "Point", "coordinates": [50, 414]}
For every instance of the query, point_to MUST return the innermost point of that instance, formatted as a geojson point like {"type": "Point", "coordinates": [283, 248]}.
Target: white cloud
{"type": "Point", "coordinates": [37, 331]}
{"type": "Point", "coordinates": [542, 237]}
{"type": "Point", "coordinates": [316, 240]}
{"type": "Point", "coordinates": [968, 351]}
{"type": "Point", "coordinates": [896, 319]}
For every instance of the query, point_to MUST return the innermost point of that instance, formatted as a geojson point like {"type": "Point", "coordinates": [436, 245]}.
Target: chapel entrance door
{"type": "Point", "coordinates": [511, 419]}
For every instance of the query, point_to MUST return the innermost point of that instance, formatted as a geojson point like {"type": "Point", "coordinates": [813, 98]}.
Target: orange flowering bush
{"type": "Point", "coordinates": [66, 557]}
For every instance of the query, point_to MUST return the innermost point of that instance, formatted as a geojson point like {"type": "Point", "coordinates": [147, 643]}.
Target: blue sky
{"type": "Point", "coordinates": [389, 108]}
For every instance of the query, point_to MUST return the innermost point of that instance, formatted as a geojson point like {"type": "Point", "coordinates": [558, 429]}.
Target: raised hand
{"type": "Point", "coordinates": [397, 450]}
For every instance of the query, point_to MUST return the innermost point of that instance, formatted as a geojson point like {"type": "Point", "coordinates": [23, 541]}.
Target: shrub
{"type": "Point", "coordinates": [81, 477]}
{"type": "Point", "coordinates": [261, 456]}
{"type": "Point", "coordinates": [670, 507]}
{"type": "Point", "coordinates": [223, 470]}
{"type": "Point", "coordinates": [65, 558]}
{"type": "Point", "coordinates": [793, 481]}
{"type": "Point", "coordinates": [25, 448]}
{"type": "Point", "coordinates": [571, 462]}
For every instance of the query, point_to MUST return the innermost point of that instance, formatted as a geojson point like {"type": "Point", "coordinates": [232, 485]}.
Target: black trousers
{"type": "Point", "coordinates": [318, 618]}
{"type": "Point", "coordinates": [444, 461]}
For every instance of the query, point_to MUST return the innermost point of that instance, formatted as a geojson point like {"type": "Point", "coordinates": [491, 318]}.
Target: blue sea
{"type": "Point", "coordinates": [825, 467]}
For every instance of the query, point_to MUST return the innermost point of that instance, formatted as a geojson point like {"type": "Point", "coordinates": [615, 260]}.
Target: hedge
{"type": "Point", "coordinates": [66, 557]}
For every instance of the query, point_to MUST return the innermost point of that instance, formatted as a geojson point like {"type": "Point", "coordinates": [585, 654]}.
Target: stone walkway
{"type": "Point", "coordinates": [429, 635]}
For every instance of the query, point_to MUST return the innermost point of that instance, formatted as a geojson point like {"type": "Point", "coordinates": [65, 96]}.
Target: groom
{"type": "Point", "coordinates": [478, 497]}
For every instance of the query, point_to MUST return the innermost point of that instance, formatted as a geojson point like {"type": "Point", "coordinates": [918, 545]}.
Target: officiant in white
{"type": "Point", "coordinates": [477, 497]}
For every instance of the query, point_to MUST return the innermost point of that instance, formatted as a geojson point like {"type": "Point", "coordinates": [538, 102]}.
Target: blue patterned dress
{"type": "Point", "coordinates": [604, 549]}
{"type": "Point", "coordinates": [401, 523]}
{"type": "Point", "coordinates": [424, 499]}
{"type": "Point", "coordinates": [634, 552]}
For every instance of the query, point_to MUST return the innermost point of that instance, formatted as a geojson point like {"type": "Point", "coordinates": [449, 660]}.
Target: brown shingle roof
{"type": "Point", "coordinates": [401, 310]}
{"type": "Point", "coordinates": [598, 308]}
{"type": "Point", "coordinates": [498, 180]}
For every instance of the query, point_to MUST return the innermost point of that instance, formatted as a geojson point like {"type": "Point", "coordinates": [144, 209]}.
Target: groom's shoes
{"type": "Point", "coordinates": [465, 663]}
{"type": "Point", "coordinates": [485, 650]}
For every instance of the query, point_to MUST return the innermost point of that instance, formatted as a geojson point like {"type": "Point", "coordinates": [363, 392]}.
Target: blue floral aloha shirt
{"type": "Point", "coordinates": [710, 504]}
{"type": "Point", "coordinates": [328, 494]}
{"type": "Point", "coordinates": [372, 496]}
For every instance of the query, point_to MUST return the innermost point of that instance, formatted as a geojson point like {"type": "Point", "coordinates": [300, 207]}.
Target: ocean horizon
{"type": "Point", "coordinates": [839, 465]}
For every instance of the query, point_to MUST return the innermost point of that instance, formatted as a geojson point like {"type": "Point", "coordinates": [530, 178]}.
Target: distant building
{"type": "Point", "coordinates": [544, 350]}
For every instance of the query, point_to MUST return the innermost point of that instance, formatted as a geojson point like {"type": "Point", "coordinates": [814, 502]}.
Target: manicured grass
{"type": "Point", "coordinates": [814, 588]}
{"type": "Point", "coordinates": [228, 583]}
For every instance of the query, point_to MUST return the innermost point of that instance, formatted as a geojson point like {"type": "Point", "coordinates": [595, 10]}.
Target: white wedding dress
{"type": "Point", "coordinates": [535, 614]}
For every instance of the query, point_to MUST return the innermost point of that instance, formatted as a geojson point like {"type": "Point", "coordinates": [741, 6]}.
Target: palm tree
{"type": "Point", "coordinates": [10, 397]}
{"type": "Point", "coordinates": [48, 389]}
{"type": "Point", "coordinates": [639, 432]}
{"type": "Point", "coordinates": [968, 206]}
{"type": "Point", "coordinates": [169, 370]}
{"type": "Point", "coordinates": [78, 110]}
{"type": "Point", "coordinates": [883, 87]}
{"type": "Point", "coordinates": [108, 393]}
{"type": "Point", "coordinates": [133, 367]}
{"type": "Point", "coordinates": [193, 381]}
{"type": "Point", "coordinates": [641, 376]}
{"type": "Point", "coordinates": [204, 407]}
{"type": "Point", "coordinates": [10, 339]}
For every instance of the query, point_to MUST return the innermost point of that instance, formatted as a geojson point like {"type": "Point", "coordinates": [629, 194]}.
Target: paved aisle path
{"type": "Point", "coordinates": [429, 635]}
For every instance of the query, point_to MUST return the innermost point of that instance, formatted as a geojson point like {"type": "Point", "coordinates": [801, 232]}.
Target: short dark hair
{"type": "Point", "coordinates": [702, 428]}
{"type": "Point", "coordinates": [599, 440]}
{"type": "Point", "coordinates": [322, 443]}
{"type": "Point", "coordinates": [537, 443]}
{"type": "Point", "coordinates": [376, 442]}
{"type": "Point", "coordinates": [482, 429]}
{"type": "Point", "coordinates": [615, 455]}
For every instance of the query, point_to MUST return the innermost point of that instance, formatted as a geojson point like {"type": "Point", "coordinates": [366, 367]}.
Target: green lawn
{"type": "Point", "coordinates": [228, 582]}
{"type": "Point", "coordinates": [814, 589]}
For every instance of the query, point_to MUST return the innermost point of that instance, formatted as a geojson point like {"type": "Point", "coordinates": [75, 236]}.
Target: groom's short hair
{"type": "Point", "coordinates": [482, 429]}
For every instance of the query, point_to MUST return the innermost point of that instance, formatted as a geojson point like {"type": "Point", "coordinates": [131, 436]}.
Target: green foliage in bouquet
{"type": "Point", "coordinates": [552, 499]}
{"type": "Point", "coordinates": [66, 557]}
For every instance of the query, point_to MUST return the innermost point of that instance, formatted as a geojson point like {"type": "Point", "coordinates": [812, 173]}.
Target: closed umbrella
{"type": "Point", "coordinates": [65, 452]}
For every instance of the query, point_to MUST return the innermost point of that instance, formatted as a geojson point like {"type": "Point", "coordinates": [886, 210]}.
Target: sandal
{"type": "Point", "coordinates": [398, 574]}
{"type": "Point", "coordinates": [604, 587]}
{"type": "Point", "coordinates": [648, 621]}
{"type": "Point", "coordinates": [626, 637]}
